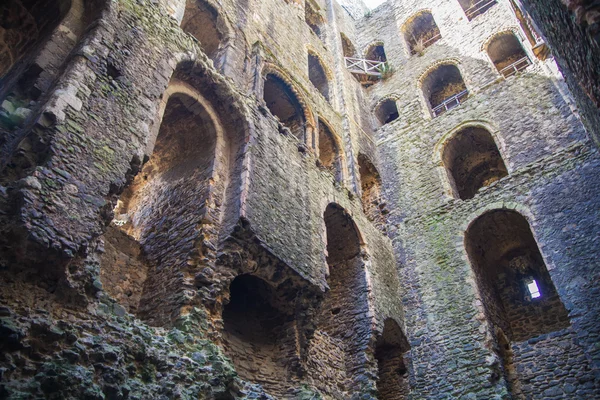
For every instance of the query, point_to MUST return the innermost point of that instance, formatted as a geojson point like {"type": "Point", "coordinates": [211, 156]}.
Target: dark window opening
{"type": "Point", "coordinates": [284, 105]}
{"type": "Point", "coordinates": [373, 203]}
{"type": "Point", "coordinates": [329, 152]}
{"type": "Point", "coordinates": [391, 346]}
{"type": "Point", "coordinates": [444, 89]}
{"type": "Point", "coordinates": [472, 161]}
{"type": "Point", "coordinates": [200, 21]}
{"type": "Point", "coordinates": [387, 111]}
{"type": "Point", "coordinates": [317, 75]}
{"type": "Point", "coordinates": [376, 53]}
{"type": "Point", "coordinates": [421, 32]}
{"type": "Point", "coordinates": [259, 333]}
{"type": "Point", "coordinates": [505, 258]}
{"type": "Point", "coordinates": [347, 47]}
{"type": "Point", "coordinates": [507, 54]}
{"type": "Point", "coordinates": [314, 19]}
{"type": "Point", "coordinates": [473, 8]}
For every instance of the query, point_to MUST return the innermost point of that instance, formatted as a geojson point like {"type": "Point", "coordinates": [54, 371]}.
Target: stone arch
{"type": "Point", "coordinates": [420, 31]}
{"type": "Point", "coordinates": [386, 110]}
{"type": "Point", "coordinates": [319, 75]}
{"type": "Point", "coordinates": [471, 159]}
{"type": "Point", "coordinates": [443, 87]}
{"type": "Point", "coordinates": [35, 41]}
{"type": "Point", "coordinates": [375, 51]}
{"type": "Point", "coordinates": [506, 52]}
{"type": "Point", "coordinates": [348, 47]}
{"type": "Point", "coordinates": [314, 19]}
{"type": "Point", "coordinates": [206, 23]}
{"type": "Point", "coordinates": [374, 205]}
{"type": "Point", "coordinates": [287, 88]}
{"type": "Point", "coordinates": [330, 153]}
{"type": "Point", "coordinates": [473, 8]}
{"type": "Point", "coordinates": [390, 351]}
{"type": "Point", "coordinates": [504, 258]}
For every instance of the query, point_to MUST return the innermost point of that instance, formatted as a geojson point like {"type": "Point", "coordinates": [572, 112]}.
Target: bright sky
{"type": "Point", "coordinates": [373, 3]}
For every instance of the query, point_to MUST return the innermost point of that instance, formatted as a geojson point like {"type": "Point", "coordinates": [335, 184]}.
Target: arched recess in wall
{"type": "Point", "coordinates": [182, 191]}
{"type": "Point", "coordinates": [386, 111]}
{"type": "Point", "coordinates": [314, 18]}
{"type": "Point", "coordinates": [507, 53]}
{"type": "Point", "coordinates": [318, 76]}
{"type": "Point", "coordinates": [473, 8]}
{"type": "Point", "coordinates": [420, 32]}
{"type": "Point", "coordinates": [472, 160]}
{"type": "Point", "coordinates": [443, 88]}
{"type": "Point", "coordinates": [344, 314]}
{"type": "Point", "coordinates": [372, 198]}
{"type": "Point", "coordinates": [376, 52]}
{"type": "Point", "coordinates": [282, 100]}
{"type": "Point", "coordinates": [34, 47]}
{"type": "Point", "coordinates": [348, 47]}
{"type": "Point", "coordinates": [330, 151]}
{"type": "Point", "coordinates": [202, 20]}
{"type": "Point", "coordinates": [514, 285]}
{"type": "Point", "coordinates": [392, 366]}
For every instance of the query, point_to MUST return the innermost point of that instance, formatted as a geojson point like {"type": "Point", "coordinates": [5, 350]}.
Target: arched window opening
{"type": "Point", "coordinates": [347, 47]}
{"type": "Point", "coordinates": [507, 54]}
{"type": "Point", "coordinates": [473, 8]}
{"type": "Point", "coordinates": [373, 204]}
{"type": "Point", "coordinates": [154, 213]}
{"type": "Point", "coordinates": [200, 21]}
{"type": "Point", "coordinates": [317, 75]}
{"type": "Point", "coordinates": [391, 346]}
{"type": "Point", "coordinates": [472, 161]}
{"type": "Point", "coordinates": [343, 317]}
{"type": "Point", "coordinates": [259, 333]}
{"type": "Point", "coordinates": [376, 53]}
{"type": "Point", "coordinates": [444, 89]}
{"type": "Point", "coordinates": [329, 151]}
{"type": "Point", "coordinates": [284, 105]}
{"type": "Point", "coordinates": [314, 19]}
{"type": "Point", "coordinates": [505, 258]}
{"type": "Point", "coordinates": [387, 111]}
{"type": "Point", "coordinates": [421, 32]}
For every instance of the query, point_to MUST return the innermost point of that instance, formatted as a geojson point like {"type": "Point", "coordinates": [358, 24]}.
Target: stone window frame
{"type": "Point", "coordinates": [411, 18]}
{"type": "Point", "coordinates": [329, 75]}
{"type": "Point", "coordinates": [440, 146]}
{"type": "Point", "coordinates": [525, 45]}
{"type": "Point", "coordinates": [426, 106]}
{"type": "Point", "coordinates": [392, 96]}
{"type": "Point", "coordinates": [342, 173]}
{"type": "Point", "coordinates": [309, 118]}
{"type": "Point", "coordinates": [374, 43]}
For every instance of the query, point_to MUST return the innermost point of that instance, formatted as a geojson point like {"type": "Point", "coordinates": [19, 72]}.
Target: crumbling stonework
{"type": "Point", "coordinates": [200, 201]}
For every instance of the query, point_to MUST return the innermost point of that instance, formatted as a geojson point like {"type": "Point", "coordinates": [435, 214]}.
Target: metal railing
{"type": "Point", "coordinates": [425, 44]}
{"type": "Point", "coordinates": [450, 103]}
{"type": "Point", "coordinates": [364, 67]}
{"type": "Point", "coordinates": [479, 8]}
{"type": "Point", "coordinates": [515, 67]}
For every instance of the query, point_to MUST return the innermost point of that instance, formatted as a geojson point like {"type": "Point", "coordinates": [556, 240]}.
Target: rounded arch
{"type": "Point", "coordinates": [348, 47]}
{"type": "Point", "coordinates": [338, 161]}
{"type": "Point", "coordinates": [505, 30]}
{"type": "Point", "coordinates": [318, 74]}
{"type": "Point", "coordinates": [420, 31]}
{"type": "Point", "coordinates": [386, 110]}
{"type": "Point", "coordinates": [446, 61]}
{"type": "Point", "coordinates": [506, 51]}
{"type": "Point", "coordinates": [443, 86]}
{"type": "Point", "coordinates": [375, 51]}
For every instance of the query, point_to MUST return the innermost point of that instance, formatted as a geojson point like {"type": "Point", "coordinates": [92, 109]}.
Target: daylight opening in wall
{"type": "Point", "coordinates": [317, 75]}
{"type": "Point", "coordinates": [387, 111]}
{"type": "Point", "coordinates": [314, 19]}
{"type": "Point", "coordinates": [329, 152]}
{"type": "Point", "coordinates": [376, 53]}
{"type": "Point", "coordinates": [200, 21]}
{"type": "Point", "coordinates": [506, 261]}
{"type": "Point", "coordinates": [472, 161]}
{"type": "Point", "coordinates": [166, 201]}
{"type": "Point", "coordinates": [283, 104]}
{"type": "Point", "coordinates": [347, 46]}
{"type": "Point", "coordinates": [391, 346]}
{"type": "Point", "coordinates": [474, 8]}
{"type": "Point", "coordinates": [444, 89]}
{"type": "Point", "coordinates": [373, 204]}
{"type": "Point", "coordinates": [344, 310]}
{"type": "Point", "coordinates": [259, 333]}
{"type": "Point", "coordinates": [420, 32]}
{"type": "Point", "coordinates": [507, 54]}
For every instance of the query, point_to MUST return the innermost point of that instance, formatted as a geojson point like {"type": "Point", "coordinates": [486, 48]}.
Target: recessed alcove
{"type": "Point", "coordinates": [420, 32]}
{"type": "Point", "coordinates": [314, 19]}
{"type": "Point", "coordinates": [318, 76]}
{"type": "Point", "coordinates": [444, 88]}
{"type": "Point", "coordinates": [283, 103]}
{"type": "Point", "coordinates": [348, 47]}
{"type": "Point", "coordinates": [387, 111]}
{"type": "Point", "coordinates": [392, 368]}
{"type": "Point", "coordinates": [376, 52]}
{"type": "Point", "coordinates": [200, 21]}
{"type": "Point", "coordinates": [472, 160]}
{"type": "Point", "coordinates": [372, 201]}
{"type": "Point", "coordinates": [507, 54]}
{"type": "Point", "coordinates": [329, 151]}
